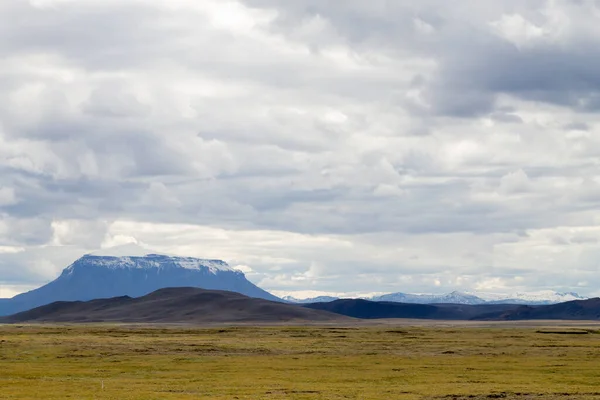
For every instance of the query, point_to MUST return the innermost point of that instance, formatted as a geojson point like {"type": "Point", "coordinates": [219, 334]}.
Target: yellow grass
{"type": "Point", "coordinates": [73, 362]}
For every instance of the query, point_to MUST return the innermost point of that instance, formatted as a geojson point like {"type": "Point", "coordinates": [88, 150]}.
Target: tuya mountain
{"type": "Point", "coordinates": [100, 276]}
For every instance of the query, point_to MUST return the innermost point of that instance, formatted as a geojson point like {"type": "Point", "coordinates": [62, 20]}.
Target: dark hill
{"type": "Point", "coordinates": [570, 310]}
{"type": "Point", "coordinates": [366, 309]}
{"type": "Point", "coordinates": [174, 305]}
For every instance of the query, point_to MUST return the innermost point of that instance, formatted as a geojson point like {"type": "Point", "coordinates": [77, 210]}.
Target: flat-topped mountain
{"type": "Point", "coordinates": [175, 305]}
{"type": "Point", "coordinates": [105, 276]}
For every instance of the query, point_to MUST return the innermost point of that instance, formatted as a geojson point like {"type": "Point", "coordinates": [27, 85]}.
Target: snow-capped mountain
{"type": "Point", "coordinates": [96, 276]}
{"type": "Point", "coordinates": [532, 298]}
{"type": "Point", "coordinates": [450, 298]}
{"type": "Point", "coordinates": [319, 299]}
{"type": "Point", "coordinates": [456, 297]}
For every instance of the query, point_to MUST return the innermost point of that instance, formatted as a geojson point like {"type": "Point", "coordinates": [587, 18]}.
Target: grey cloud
{"type": "Point", "coordinates": [36, 265]}
{"type": "Point", "coordinates": [475, 65]}
{"type": "Point", "coordinates": [331, 119]}
{"type": "Point", "coordinates": [109, 102]}
{"type": "Point", "coordinates": [24, 231]}
{"type": "Point", "coordinates": [506, 117]}
{"type": "Point", "coordinates": [83, 26]}
{"type": "Point", "coordinates": [577, 126]}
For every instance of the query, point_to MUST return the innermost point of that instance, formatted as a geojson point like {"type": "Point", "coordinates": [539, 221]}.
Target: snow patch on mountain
{"type": "Point", "coordinates": [538, 297]}
{"type": "Point", "coordinates": [456, 297]}
{"type": "Point", "coordinates": [450, 298]}
{"type": "Point", "coordinates": [213, 266]}
{"type": "Point", "coordinates": [312, 296]}
{"type": "Point", "coordinates": [318, 299]}
{"type": "Point", "coordinates": [153, 261]}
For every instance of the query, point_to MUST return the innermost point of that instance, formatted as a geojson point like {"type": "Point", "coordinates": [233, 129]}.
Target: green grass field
{"type": "Point", "coordinates": [384, 362]}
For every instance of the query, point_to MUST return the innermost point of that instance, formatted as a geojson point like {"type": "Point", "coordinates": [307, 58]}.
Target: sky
{"type": "Point", "coordinates": [332, 146]}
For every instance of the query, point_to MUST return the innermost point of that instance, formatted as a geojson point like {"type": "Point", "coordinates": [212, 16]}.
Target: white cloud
{"type": "Point", "coordinates": [7, 196]}
{"type": "Point", "coordinates": [11, 249]}
{"type": "Point", "coordinates": [7, 291]}
{"type": "Point", "coordinates": [518, 30]}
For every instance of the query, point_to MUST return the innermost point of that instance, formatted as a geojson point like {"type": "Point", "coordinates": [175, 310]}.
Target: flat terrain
{"type": "Point", "coordinates": [367, 362]}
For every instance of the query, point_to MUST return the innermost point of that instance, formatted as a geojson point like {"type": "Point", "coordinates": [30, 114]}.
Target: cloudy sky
{"type": "Point", "coordinates": [329, 145]}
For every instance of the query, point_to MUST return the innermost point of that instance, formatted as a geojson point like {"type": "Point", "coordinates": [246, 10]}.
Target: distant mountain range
{"type": "Point", "coordinates": [100, 276]}
{"type": "Point", "coordinates": [130, 271]}
{"type": "Point", "coordinates": [199, 306]}
{"type": "Point", "coordinates": [319, 299]}
{"type": "Point", "coordinates": [456, 297]}
{"type": "Point", "coordinates": [365, 309]}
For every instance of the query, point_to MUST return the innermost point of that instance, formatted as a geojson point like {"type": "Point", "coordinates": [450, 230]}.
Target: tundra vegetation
{"type": "Point", "coordinates": [375, 362]}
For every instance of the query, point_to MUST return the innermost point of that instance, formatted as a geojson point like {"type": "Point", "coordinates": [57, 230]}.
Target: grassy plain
{"type": "Point", "coordinates": [378, 362]}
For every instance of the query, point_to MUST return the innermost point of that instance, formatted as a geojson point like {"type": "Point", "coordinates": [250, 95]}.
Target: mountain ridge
{"type": "Point", "coordinates": [458, 297]}
{"type": "Point", "coordinates": [194, 305]}
{"type": "Point", "coordinates": [365, 309]}
{"type": "Point", "coordinates": [174, 305]}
